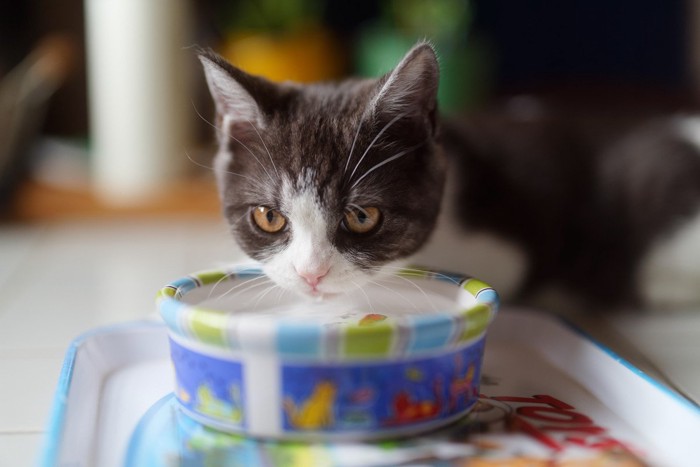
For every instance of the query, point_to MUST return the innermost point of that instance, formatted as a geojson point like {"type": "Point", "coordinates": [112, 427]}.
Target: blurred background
{"type": "Point", "coordinates": [103, 109]}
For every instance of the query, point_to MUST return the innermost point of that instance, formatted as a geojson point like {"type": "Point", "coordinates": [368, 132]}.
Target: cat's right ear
{"type": "Point", "coordinates": [411, 88]}
{"type": "Point", "coordinates": [234, 92]}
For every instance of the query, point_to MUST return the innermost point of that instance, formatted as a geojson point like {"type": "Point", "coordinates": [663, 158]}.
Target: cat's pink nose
{"type": "Point", "coordinates": [312, 276]}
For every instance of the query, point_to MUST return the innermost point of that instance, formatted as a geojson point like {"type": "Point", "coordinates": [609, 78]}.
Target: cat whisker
{"type": "Point", "coordinates": [198, 164]}
{"type": "Point", "coordinates": [356, 207]}
{"type": "Point", "coordinates": [361, 289]}
{"type": "Point", "coordinates": [280, 294]}
{"type": "Point", "coordinates": [249, 287]}
{"type": "Point", "coordinates": [386, 161]}
{"type": "Point", "coordinates": [421, 272]}
{"type": "Point", "coordinates": [253, 302]}
{"type": "Point", "coordinates": [249, 281]}
{"type": "Point", "coordinates": [216, 284]}
{"type": "Point", "coordinates": [354, 140]}
{"type": "Point", "coordinates": [237, 220]}
{"type": "Point", "coordinates": [208, 167]}
{"type": "Point", "coordinates": [395, 292]}
{"type": "Point", "coordinates": [265, 146]}
{"type": "Point", "coordinates": [252, 154]}
{"type": "Point", "coordinates": [205, 120]}
{"type": "Point", "coordinates": [381, 132]}
{"type": "Point", "coordinates": [230, 136]}
{"type": "Point", "coordinates": [420, 289]}
{"type": "Point", "coordinates": [264, 294]}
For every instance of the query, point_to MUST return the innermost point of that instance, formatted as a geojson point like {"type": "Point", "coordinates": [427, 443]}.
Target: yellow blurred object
{"type": "Point", "coordinates": [309, 55]}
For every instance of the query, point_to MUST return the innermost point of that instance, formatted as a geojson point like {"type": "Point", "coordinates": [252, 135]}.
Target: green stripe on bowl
{"type": "Point", "coordinates": [210, 277]}
{"type": "Point", "coordinates": [414, 273]}
{"type": "Point", "coordinates": [368, 340]}
{"type": "Point", "coordinates": [208, 325]}
{"type": "Point", "coordinates": [476, 320]}
{"type": "Point", "coordinates": [166, 292]}
{"type": "Point", "coordinates": [474, 286]}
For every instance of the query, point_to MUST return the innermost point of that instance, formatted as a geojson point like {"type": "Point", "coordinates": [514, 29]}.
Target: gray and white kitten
{"type": "Point", "coordinates": [330, 185]}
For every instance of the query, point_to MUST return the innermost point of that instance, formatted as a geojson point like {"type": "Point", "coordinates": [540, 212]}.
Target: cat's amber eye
{"type": "Point", "coordinates": [361, 220]}
{"type": "Point", "coordinates": [269, 220]}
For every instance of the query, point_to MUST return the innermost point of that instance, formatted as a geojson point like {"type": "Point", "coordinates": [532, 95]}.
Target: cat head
{"type": "Point", "coordinates": [328, 185]}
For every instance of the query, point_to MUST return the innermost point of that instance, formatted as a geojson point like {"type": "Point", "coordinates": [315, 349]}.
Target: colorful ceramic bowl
{"type": "Point", "coordinates": [401, 356]}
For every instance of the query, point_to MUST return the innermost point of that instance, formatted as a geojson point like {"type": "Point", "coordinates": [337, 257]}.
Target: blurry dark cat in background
{"type": "Point", "coordinates": [330, 186]}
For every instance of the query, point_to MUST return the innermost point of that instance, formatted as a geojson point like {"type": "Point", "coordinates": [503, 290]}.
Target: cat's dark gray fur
{"type": "Point", "coordinates": [585, 212]}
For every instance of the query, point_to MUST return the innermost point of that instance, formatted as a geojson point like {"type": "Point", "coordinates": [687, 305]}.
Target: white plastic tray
{"type": "Point", "coordinates": [587, 396]}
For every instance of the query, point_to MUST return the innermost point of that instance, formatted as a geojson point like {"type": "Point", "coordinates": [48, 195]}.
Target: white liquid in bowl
{"type": "Point", "coordinates": [395, 297]}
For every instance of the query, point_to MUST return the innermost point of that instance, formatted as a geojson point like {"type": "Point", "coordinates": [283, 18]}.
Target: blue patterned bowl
{"type": "Point", "coordinates": [400, 357]}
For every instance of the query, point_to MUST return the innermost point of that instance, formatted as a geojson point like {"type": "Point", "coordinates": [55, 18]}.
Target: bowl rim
{"type": "Point", "coordinates": [477, 305]}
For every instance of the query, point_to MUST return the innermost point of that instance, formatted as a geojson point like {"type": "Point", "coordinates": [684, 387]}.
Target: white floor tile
{"type": "Point", "coordinates": [82, 275]}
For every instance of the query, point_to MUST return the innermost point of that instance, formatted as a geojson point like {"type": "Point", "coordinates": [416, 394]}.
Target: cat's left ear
{"type": "Point", "coordinates": [411, 88]}
{"type": "Point", "coordinates": [241, 99]}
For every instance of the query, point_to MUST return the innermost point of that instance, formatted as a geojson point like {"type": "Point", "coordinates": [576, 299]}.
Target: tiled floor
{"type": "Point", "coordinates": [59, 280]}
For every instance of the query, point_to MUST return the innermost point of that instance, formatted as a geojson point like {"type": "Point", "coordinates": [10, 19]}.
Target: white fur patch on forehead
{"type": "Point", "coordinates": [306, 214]}
{"type": "Point", "coordinates": [300, 203]}
{"type": "Point", "coordinates": [307, 179]}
